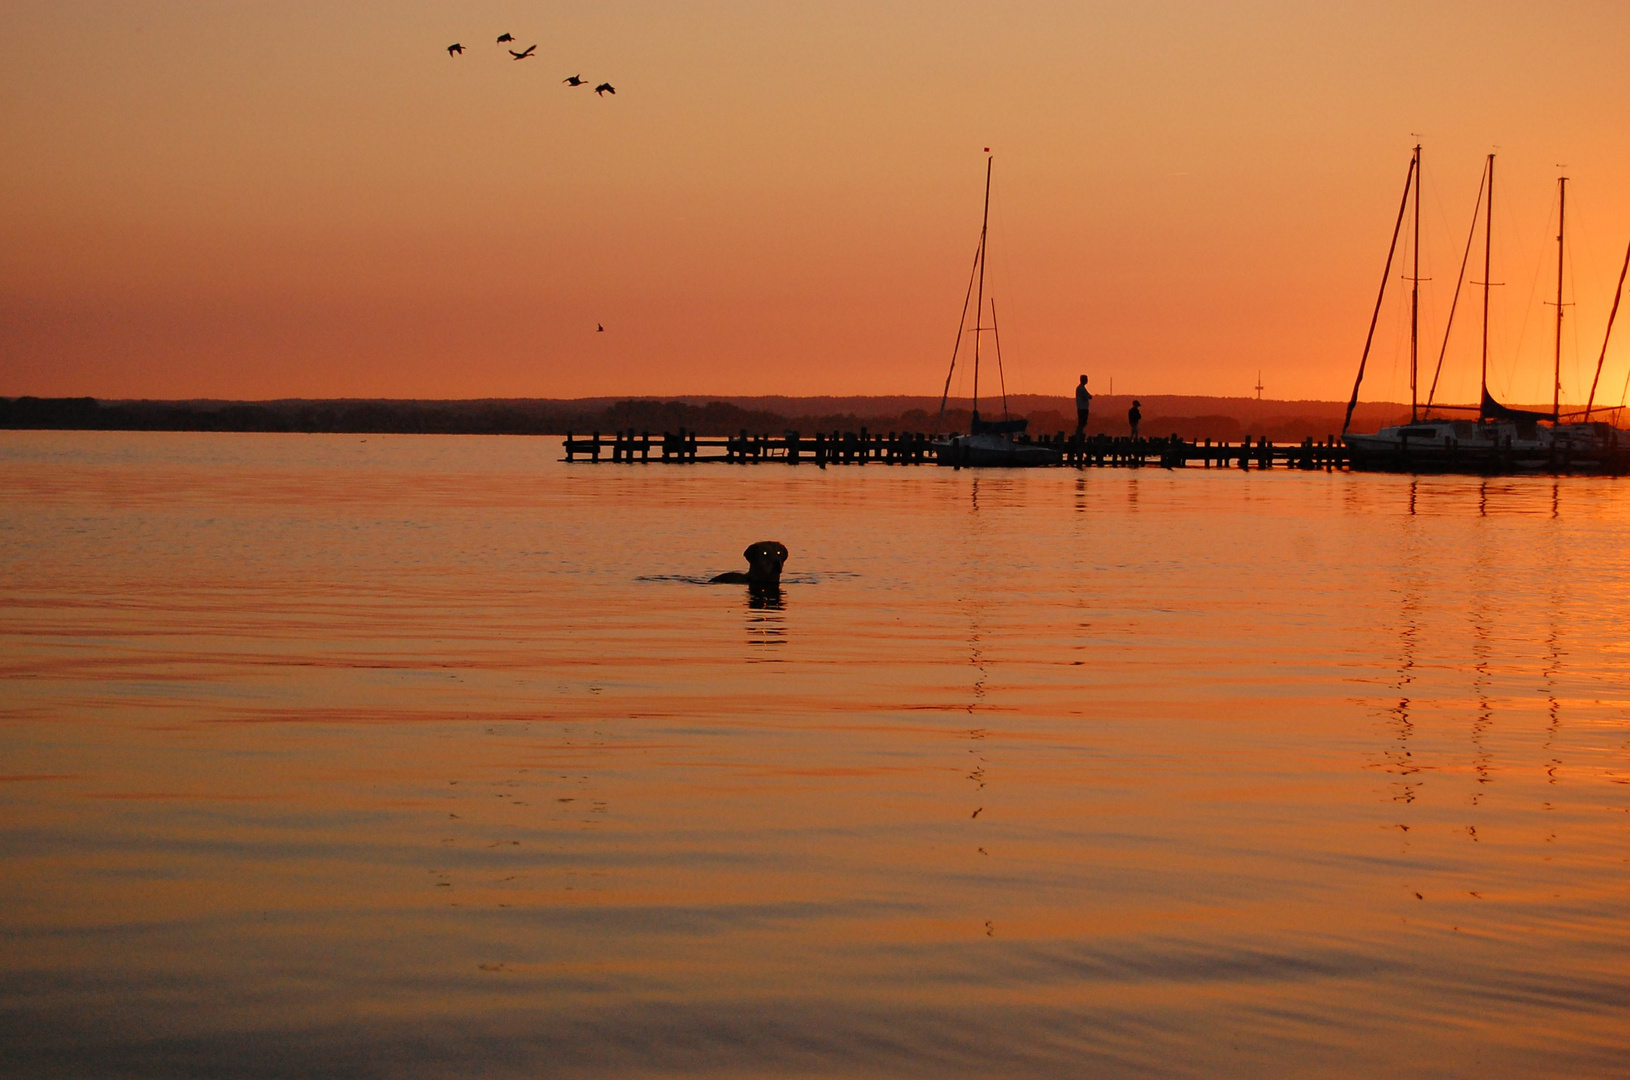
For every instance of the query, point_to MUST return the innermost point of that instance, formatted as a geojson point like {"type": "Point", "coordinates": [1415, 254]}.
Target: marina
{"type": "Point", "coordinates": [1502, 439]}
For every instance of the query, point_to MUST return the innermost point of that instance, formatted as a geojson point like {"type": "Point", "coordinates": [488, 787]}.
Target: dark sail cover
{"type": "Point", "coordinates": [997, 427]}
{"type": "Point", "coordinates": [1493, 410]}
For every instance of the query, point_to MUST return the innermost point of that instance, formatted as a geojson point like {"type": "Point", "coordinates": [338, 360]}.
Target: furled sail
{"type": "Point", "coordinates": [1493, 410]}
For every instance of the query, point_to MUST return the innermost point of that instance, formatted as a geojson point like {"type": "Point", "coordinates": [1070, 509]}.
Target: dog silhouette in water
{"type": "Point", "coordinates": [764, 561]}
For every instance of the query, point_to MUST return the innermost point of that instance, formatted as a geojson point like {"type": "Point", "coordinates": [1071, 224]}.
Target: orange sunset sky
{"type": "Point", "coordinates": [254, 199]}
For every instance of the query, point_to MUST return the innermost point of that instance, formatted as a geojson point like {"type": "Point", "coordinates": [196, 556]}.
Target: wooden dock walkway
{"type": "Point", "coordinates": [915, 448]}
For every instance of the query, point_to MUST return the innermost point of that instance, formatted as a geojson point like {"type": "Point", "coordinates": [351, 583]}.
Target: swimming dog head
{"type": "Point", "coordinates": [764, 562]}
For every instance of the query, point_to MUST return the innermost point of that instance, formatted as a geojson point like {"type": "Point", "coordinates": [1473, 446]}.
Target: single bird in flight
{"type": "Point", "coordinates": [575, 80]}
{"type": "Point", "coordinates": [604, 89]}
{"type": "Point", "coordinates": [505, 37]}
{"type": "Point", "coordinates": [523, 55]}
{"type": "Point", "coordinates": [599, 328]}
{"type": "Point", "coordinates": [455, 49]}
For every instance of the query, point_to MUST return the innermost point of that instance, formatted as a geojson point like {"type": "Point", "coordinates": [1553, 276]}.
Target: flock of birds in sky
{"type": "Point", "coordinates": [457, 50]}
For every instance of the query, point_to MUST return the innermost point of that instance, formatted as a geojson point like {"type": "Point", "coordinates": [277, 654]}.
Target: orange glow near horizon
{"type": "Point", "coordinates": [254, 201]}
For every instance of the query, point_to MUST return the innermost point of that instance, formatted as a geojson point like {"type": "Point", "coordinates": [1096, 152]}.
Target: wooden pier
{"type": "Point", "coordinates": [915, 448]}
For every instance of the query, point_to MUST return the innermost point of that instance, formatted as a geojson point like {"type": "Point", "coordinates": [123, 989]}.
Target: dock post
{"type": "Point", "coordinates": [569, 448]}
{"type": "Point", "coordinates": [594, 450]}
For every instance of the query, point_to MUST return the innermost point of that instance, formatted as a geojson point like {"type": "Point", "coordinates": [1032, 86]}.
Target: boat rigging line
{"type": "Point", "coordinates": [1460, 280]}
{"type": "Point", "coordinates": [978, 256]}
{"type": "Point", "coordinates": [1606, 337]}
{"type": "Point", "coordinates": [1386, 273]}
{"type": "Point", "coordinates": [1001, 375]}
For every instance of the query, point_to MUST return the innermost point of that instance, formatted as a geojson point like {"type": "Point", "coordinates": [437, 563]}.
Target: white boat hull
{"type": "Point", "coordinates": [986, 451]}
{"type": "Point", "coordinates": [1466, 446]}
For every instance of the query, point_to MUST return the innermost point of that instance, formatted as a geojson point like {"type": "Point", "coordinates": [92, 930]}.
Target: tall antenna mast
{"type": "Point", "coordinates": [1259, 384]}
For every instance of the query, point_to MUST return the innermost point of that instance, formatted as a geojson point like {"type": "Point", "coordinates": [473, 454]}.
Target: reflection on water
{"type": "Point", "coordinates": [766, 623]}
{"type": "Point", "coordinates": [432, 756]}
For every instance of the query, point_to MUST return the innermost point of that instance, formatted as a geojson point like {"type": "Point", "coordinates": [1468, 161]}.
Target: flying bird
{"type": "Point", "coordinates": [523, 55]}
{"type": "Point", "coordinates": [505, 37]}
{"type": "Point", "coordinates": [604, 89]}
{"type": "Point", "coordinates": [575, 80]}
{"type": "Point", "coordinates": [455, 49]}
{"type": "Point", "coordinates": [599, 328]}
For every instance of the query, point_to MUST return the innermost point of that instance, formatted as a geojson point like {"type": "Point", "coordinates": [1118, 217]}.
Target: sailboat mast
{"type": "Point", "coordinates": [979, 311]}
{"type": "Point", "coordinates": [1415, 298]}
{"type": "Point", "coordinates": [1488, 251]}
{"type": "Point", "coordinates": [1561, 231]}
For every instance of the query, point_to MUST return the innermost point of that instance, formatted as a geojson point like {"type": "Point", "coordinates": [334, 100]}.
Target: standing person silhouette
{"type": "Point", "coordinates": [1133, 415]}
{"type": "Point", "coordinates": [1083, 405]}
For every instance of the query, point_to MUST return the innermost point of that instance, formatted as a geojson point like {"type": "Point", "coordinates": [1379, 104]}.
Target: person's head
{"type": "Point", "coordinates": [1137, 404]}
{"type": "Point", "coordinates": [1083, 380]}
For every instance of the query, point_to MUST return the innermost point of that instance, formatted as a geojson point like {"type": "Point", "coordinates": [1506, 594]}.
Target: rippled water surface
{"type": "Point", "coordinates": [429, 757]}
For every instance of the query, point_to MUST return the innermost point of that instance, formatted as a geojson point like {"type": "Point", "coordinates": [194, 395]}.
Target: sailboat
{"type": "Point", "coordinates": [1582, 444]}
{"type": "Point", "coordinates": [989, 443]}
{"type": "Point", "coordinates": [1501, 438]}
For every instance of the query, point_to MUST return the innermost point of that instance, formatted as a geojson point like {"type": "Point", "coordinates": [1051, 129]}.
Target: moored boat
{"type": "Point", "coordinates": [989, 443]}
{"type": "Point", "coordinates": [1501, 438]}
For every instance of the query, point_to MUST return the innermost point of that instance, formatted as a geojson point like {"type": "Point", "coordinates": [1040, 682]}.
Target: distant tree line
{"type": "Point", "coordinates": [535, 416]}
{"type": "Point", "coordinates": [481, 417]}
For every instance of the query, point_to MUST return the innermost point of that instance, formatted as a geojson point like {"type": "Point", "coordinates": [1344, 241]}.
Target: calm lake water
{"type": "Point", "coordinates": [429, 757]}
